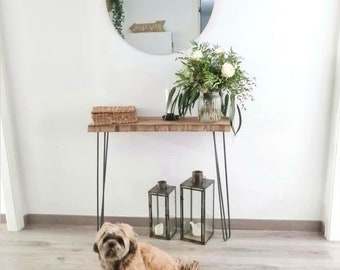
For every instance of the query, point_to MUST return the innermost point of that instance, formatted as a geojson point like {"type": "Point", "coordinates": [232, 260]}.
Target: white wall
{"type": "Point", "coordinates": [63, 58]}
{"type": "Point", "coordinates": [332, 187]}
{"type": "Point", "coordinates": [12, 184]}
{"type": "Point", "coordinates": [2, 200]}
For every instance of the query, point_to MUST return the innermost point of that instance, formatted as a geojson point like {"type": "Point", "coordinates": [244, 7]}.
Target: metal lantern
{"type": "Point", "coordinates": [162, 211]}
{"type": "Point", "coordinates": [197, 208]}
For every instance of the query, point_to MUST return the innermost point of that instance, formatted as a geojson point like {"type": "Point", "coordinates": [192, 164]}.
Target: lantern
{"type": "Point", "coordinates": [162, 211]}
{"type": "Point", "coordinates": [197, 208]}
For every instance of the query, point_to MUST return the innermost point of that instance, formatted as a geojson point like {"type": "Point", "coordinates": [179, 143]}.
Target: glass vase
{"type": "Point", "coordinates": [209, 107]}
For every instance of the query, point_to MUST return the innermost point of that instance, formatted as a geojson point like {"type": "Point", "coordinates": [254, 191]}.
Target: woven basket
{"type": "Point", "coordinates": [107, 115]}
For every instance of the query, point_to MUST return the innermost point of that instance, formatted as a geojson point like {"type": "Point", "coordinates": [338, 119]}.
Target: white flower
{"type": "Point", "coordinates": [197, 54]}
{"type": "Point", "coordinates": [227, 70]}
{"type": "Point", "coordinates": [220, 50]}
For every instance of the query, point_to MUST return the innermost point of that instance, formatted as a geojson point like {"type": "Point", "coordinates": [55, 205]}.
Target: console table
{"type": "Point", "coordinates": [156, 124]}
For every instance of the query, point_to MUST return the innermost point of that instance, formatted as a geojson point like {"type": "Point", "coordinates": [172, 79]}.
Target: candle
{"type": "Point", "coordinates": [159, 228]}
{"type": "Point", "coordinates": [196, 228]}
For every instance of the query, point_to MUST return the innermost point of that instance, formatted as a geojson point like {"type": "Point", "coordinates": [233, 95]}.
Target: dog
{"type": "Point", "coordinates": [118, 249]}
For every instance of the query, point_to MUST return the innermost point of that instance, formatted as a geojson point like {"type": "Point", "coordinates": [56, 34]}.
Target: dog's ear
{"type": "Point", "coordinates": [95, 248]}
{"type": "Point", "coordinates": [133, 238]}
{"type": "Point", "coordinates": [133, 243]}
{"type": "Point", "coordinates": [131, 235]}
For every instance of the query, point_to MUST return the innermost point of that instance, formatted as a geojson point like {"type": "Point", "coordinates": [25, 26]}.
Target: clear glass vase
{"type": "Point", "coordinates": [209, 107]}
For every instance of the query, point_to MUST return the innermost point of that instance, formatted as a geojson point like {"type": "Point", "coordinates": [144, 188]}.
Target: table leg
{"type": "Point", "coordinates": [226, 230]}
{"type": "Point", "coordinates": [100, 216]}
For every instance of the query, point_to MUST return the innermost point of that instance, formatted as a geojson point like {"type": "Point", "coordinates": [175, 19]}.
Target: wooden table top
{"type": "Point", "coordinates": [157, 124]}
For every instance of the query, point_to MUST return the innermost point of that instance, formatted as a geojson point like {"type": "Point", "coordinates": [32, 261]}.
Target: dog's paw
{"type": "Point", "coordinates": [187, 264]}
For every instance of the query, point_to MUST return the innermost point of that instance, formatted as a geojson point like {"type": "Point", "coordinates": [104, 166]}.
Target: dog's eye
{"type": "Point", "coordinates": [107, 238]}
{"type": "Point", "coordinates": [120, 241]}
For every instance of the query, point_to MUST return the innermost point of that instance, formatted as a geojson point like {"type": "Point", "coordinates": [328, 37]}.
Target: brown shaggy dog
{"type": "Point", "coordinates": [119, 249]}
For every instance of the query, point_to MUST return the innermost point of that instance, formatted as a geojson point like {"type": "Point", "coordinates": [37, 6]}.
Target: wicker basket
{"type": "Point", "coordinates": [107, 115]}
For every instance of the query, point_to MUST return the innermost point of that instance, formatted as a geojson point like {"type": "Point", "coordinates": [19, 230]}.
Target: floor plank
{"type": "Point", "coordinates": [62, 247]}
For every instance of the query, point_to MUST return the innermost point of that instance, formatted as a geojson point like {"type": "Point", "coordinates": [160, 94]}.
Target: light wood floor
{"type": "Point", "coordinates": [70, 247]}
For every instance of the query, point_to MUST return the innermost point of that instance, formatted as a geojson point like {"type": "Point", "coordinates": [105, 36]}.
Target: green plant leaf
{"type": "Point", "coordinates": [239, 119]}
{"type": "Point", "coordinates": [180, 109]}
{"type": "Point", "coordinates": [184, 103]}
{"type": "Point", "coordinates": [232, 126]}
{"type": "Point", "coordinates": [232, 113]}
{"type": "Point", "coordinates": [225, 105]}
{"type": "Point", "coordinates": [170, 101]}
{"type": "Point", "coordinates": [192, 101]}
{"type": "Point", "coordinates": [173, 106]}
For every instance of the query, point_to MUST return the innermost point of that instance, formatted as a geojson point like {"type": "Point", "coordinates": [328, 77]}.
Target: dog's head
{"type": "Point", "coordinates": [114, 241]}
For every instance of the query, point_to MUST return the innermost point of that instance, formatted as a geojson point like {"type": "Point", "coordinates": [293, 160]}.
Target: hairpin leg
{"type": "Point", "coordinates": [226, 230]}
{"type": "Point", "coordinates": [100, 217]}
{"type": "Point", "coordinates": [97, 199]}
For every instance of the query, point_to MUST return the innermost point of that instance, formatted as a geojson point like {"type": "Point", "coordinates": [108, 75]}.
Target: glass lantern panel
{"type": "Point", "coordinates": [192, 214]}
{"type": "Point", "coordinates": [172, 213]}
{"type": "Point", "coordinates": [209, 212]}
{"type": "Point", "coordinates": [158, 215]}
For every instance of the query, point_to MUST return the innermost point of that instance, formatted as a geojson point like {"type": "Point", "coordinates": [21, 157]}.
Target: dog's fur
{"type": "Point", "coordinates": [119, 249]}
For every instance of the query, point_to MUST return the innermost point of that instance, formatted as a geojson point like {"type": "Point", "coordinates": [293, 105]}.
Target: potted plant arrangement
{"type": "Point", "coordinates": [213, 78]}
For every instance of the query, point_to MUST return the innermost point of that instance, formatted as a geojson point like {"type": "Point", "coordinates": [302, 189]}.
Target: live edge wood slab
{"type": "Point", "coordinates": [157, 124]}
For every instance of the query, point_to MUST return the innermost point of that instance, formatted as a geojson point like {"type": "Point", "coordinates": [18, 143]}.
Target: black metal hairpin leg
{"type": "Point", "coordinates": [226, 230]}
{"type": "Point", "coordinates": [100, 217]}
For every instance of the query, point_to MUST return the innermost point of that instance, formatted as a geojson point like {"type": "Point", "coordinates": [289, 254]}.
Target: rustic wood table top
{"type": "Point", "coordinates": [157, 124]}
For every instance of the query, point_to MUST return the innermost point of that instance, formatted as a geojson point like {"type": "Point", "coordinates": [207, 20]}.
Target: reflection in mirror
{"type": "Point", "coordinates": [160, 26]}
{"type": "Point", "coordinates": [206, 7]}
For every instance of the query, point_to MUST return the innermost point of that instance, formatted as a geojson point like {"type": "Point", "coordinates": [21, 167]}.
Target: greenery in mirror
{"type": "Point", "coordinates": [115, 7]}
{"type": "Point", "coordinates": [206, 69]}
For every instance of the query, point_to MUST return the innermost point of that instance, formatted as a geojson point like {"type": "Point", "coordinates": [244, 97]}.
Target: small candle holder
{"type": "Point", "coordinates": [197, 208]}
{"type": "Point", "coordinates": [162, 211]}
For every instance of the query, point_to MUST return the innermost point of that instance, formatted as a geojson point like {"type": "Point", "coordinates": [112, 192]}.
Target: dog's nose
{"type": "Point", "coordinates": [112, 244]}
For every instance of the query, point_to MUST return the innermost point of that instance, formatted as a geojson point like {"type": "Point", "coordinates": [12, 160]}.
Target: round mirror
{"type": "Point", "coordinates": [160, 26]}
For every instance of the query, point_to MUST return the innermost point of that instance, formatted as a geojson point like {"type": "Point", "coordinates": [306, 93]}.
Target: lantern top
{"type": "Point", "coordinates": [200, 186]}
{"type": "Point", "coordinates": [162, 189]}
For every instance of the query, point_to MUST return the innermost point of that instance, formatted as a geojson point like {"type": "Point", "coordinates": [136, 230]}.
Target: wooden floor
{"type": "Point", "coordinates": [70, 247]}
